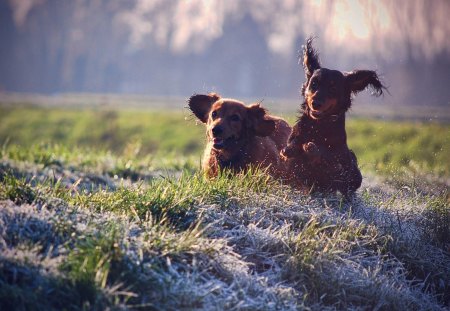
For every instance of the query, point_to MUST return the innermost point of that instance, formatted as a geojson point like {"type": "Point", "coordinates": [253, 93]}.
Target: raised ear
{"type": "Point", "coordinates": [358, 80]}
{"type": "Point", "coordinates": [310, 61]}
{"type": "Point", "coordinates": [200, 105]}
{"type": "Point", "coordinates": [310, 58]}
{"type": "Point", "coordinates": [258, 122]}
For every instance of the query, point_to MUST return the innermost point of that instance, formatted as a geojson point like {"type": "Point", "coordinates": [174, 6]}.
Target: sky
{"type": "Point", "coordinates": [390, 28]}
{"type": "Point", "coordinates": [243, 48]}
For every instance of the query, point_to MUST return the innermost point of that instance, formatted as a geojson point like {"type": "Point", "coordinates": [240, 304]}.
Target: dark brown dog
{"type": "Point", "coordinates": [317, 148]}
{"type": "Point", "coordinates": [239, 135]}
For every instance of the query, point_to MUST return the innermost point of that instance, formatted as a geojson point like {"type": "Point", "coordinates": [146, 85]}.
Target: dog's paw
{"type": "Point", "coordinates": [289, 152]}
{"type": "Point", "coordinates": [311, 148]}
{"type": "Point", "coordinates": [283, 155]}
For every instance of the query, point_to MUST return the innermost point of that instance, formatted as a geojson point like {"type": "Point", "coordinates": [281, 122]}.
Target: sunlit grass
{"type": "Point", "coordinates": [387, 146]}
{"type": "Point", "coordinates": [103, 129]}
{"type": "Point", "coordinates": [163, 138]}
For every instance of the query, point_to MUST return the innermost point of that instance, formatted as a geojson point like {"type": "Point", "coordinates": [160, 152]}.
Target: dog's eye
{"type": "Point", "coordinates": [214, 114]}
{"type": "Point", "coordinates": [234, 117]}
{"type": "Point", "coordinates": [313, 85]}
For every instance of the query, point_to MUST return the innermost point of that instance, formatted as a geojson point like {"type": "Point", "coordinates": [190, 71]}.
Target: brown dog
{"type": "Point", "coordinates": [239, 135]}
{"type": "Point", "coordinates": [317, 148]}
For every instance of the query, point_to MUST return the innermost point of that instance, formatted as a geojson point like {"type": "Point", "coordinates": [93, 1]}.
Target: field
{"type": "Point", "coordinates": [104, 207]}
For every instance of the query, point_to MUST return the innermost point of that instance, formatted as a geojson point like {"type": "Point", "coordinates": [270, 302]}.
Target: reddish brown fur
{"type": "Point", "coordinates": [239, 136]}
{"type": "Point", "coordinates": [317, 150]}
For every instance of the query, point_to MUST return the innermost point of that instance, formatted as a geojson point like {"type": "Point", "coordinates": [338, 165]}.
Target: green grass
{"type": "Point", "coordinates": [114, 130]}
{"type": "Point", "coordinates": [108, 210]}
{"type": "Point", "coordinates": [382, 146]}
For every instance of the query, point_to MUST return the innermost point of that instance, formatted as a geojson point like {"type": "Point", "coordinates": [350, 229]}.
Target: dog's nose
{"type": "Point", "coordinates": [217, 130]}
{"type": "Point", "coordinates": [317, 104]}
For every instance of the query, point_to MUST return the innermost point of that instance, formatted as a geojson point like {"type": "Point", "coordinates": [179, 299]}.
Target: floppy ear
{"type": "Point", "coordinates": [310, 61]}
{"type": "Point", "coordinates": [358, 80]}
{"type": "Point", "coordinates": [257, 121]}
{"type": "Point", "coordinates": [200, 105]}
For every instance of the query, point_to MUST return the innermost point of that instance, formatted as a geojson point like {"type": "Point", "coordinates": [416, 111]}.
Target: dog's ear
{"type": "Point", "coordinates": [310, 61]}
{"type": "Point", "coordinates": [358, 80]}
{"type": "Point", "coordinates": [200, 105]}
{"type": "Point", "coordinates": [310, 58]}
{"type": "Point", "coordinates": [257, 121]}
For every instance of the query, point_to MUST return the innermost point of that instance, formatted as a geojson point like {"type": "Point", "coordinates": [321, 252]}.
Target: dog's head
{"type": "Point", "coordinates": [229, 122]}
{"type": "Point", "coordinates": [328, 92]}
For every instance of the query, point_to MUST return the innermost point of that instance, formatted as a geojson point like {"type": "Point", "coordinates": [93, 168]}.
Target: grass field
{"type": "Point", "coordinates": [105, 208]}
{"type": "Point", "coordinates": [380, 145]}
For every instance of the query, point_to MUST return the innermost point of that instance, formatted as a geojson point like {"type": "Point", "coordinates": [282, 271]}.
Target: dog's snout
{"type": "Point", "coordinates": [217, 130]}
{"type": "Point", "coordinates": [317, 104]}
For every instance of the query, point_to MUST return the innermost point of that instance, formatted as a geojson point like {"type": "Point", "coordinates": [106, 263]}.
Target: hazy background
{"type": "Point", "coordinates": [240, 49]}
